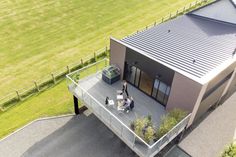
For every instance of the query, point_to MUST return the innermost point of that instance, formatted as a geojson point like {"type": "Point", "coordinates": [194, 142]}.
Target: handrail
{"type": "Point", "coordinates": [94, 99]}
{"type": "Point", "coordinates": [87, 67]}
{"type": "Point", "coordinates": [106, 108]}
{"type": "Point", "coordinates": [115, 117]}
{"type": "Point", "coordinates": [170, 130]}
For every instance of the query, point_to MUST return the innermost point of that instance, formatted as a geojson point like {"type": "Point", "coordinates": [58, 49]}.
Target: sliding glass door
{"type": "Point", "coordinates": [146, 83]}
{"type": "Point", "coordinates": [160, 91]}
{"type": "Point", "coordinates": [132, 75]}
{"type": "Point", "coordinates": [153, 87]}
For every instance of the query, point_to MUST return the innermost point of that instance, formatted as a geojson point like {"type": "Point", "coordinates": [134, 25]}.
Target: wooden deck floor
{"type": "Point", "coordinates": [144, 105]}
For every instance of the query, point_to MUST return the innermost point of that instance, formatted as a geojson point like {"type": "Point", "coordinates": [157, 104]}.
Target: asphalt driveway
{"type": "Point", "coordinates": [65, 137]}
{"type": "Point", "coordinates": [216, 131]}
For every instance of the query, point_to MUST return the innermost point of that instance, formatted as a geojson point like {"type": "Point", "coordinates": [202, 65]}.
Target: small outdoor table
{"type": "Point", "coordinates": [111, 103]}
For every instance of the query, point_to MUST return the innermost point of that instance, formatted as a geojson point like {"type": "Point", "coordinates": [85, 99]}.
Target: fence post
{"type": "Point", "coordinates": [170, 15]}
{"type": "Point", "coordinates": [177, 12]}
{"type": "Point", "coordinates": [53, 78]}
{"type": "Point", "coordinates": [95, 56]}
{"type": "Point", "coordinates": [155, 23]}
{"type": "Point", "coordinates": [68, 69]}
{"type": "Point", "coordinates": [82, 63]}
{"type": "Point", "coordinates": [162, 19]}
{"type": "Point", "coordinates": [18, 95]}
{"type": "Point", "coordinates": [36, 86]}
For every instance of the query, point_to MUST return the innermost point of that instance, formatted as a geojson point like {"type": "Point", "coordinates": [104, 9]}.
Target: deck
{"type": "Point", "coordinates": [144, 105]}
{"type": "Point", "coordinates": [92, 91]}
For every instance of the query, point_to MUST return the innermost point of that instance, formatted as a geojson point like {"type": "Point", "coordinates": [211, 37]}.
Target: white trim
{"type": "Point", "coordinates": [203, 80]}
{"type": "Point", "coordinates": [36, 120]}
{"type": "Point", "coordinates": [213, 73]}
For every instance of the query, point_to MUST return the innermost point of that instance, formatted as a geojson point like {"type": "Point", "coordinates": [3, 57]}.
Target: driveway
{"type": "Point", "coordinates": [216, 131]}
{"type": "Point", "coordinates": [69, 136]}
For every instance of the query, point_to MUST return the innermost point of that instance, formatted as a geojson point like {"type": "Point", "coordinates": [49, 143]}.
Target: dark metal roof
{"type": "Point", "coordinates": [190, 44]}
{"type": "Point", "coordinates": [221, 10]}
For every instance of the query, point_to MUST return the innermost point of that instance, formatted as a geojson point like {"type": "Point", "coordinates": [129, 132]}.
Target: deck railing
{"type": "Point", "coordinates": [123, 131]}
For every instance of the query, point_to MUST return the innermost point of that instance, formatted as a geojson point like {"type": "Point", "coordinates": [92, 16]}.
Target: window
{"type": "Point", "coordinates": [146, 83]}
{"type": "Point", "coordinates": [160, 91]}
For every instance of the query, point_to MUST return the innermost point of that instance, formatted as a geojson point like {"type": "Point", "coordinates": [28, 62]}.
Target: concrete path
{"type": "Point", "coordinates": [211, 136]}
{"type": "Point", "coordinates": [65, 137]}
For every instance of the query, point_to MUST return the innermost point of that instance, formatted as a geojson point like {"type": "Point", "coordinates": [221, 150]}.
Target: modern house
{"type": "Point", "coordinates": [187, 63]}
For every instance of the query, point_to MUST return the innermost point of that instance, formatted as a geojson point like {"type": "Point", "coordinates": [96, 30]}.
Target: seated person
{"type": "Point", "coordinates": [131, 106]}
{"type": "Point", "coordinates": [126, 104]}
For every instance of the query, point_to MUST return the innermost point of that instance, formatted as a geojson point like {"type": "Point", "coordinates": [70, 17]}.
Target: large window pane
{"type": "Point", "coordinates": [137, 77]}
{"type": "Point", "coordinates": [130, 73]}
{"type": "Point", "coordinates": [161, 92]}
{"type": "Point", "coordinates": [145, 83]}
{"type": "Point", "coordinates": [166, 95]}
{"type": "Point", "coordinates": [155, 88]}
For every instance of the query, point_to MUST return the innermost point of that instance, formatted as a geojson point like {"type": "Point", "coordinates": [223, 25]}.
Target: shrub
{"type": "Point", "coordinates": [169, 121]}
{"type": "Point", "coordinates": [149, 134]}
{"type": "Point", "coordinates": [229, 151]}
{"type": "Point", "coordinates": [178, 114]}
{"type": "Point", "coordinates": [144, 128]}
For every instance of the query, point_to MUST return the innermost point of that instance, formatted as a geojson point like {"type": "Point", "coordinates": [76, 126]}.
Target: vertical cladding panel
{"type": "Point", "coordinates": [184, 93]}
{"type": "Point", "coordinates": [117, 54]}
{"type": "Point", "coordinates": [210, 100]}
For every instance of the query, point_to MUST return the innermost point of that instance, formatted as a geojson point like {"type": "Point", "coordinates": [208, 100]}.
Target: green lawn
{"type": "Point", "coordinates": [38, 37]}
{"type": "Point", "coordinates": [54, 101]}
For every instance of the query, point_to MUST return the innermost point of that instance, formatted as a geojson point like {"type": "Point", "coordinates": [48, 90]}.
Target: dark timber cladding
{"type": "Point", "coordinates": [149, 66]}
{"type": "Point", "coordinates": [188, 43]}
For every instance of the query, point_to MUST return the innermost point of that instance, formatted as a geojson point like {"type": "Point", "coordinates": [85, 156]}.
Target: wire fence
{"type": "Point", "coordinates": [57, 76]}
{"type": "Point", "coordinates": [187, 8]}
{"type": "Point", "coordinates": [49, 80]}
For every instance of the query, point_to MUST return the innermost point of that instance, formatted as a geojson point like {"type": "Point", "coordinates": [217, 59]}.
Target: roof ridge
{"type": "Point", "coordinates": [233, 2]}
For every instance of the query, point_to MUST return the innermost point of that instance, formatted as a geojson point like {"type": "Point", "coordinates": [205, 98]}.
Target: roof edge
{"type": "Point", "coordinates": [212, 20]}
{"type": "Point", "coordinates": [192, 77]}
{"type": "Point", "coordinates": [234, 4]}
{"type": "Point", "coordinates": [213, 73]}
{"type": "Point", "coordinates": [191, 12]}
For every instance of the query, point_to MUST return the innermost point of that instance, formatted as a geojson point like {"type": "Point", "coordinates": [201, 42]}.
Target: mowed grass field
{"type": "Point", "coordinates": [52, 102]}
{"type": "Point", "coordinates": [39, 37]}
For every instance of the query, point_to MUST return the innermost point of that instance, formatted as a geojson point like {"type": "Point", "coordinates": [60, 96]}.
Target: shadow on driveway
{"type": "Point", "coordinates": [80, 137]}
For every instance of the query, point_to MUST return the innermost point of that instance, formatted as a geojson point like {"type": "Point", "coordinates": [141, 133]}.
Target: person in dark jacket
{"type": "Point", "coordinates": [131, 106]}
{"type": "Point", "coordinates": [106, 101]}
{"type": "Point", "coordinates": [125, 89]}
